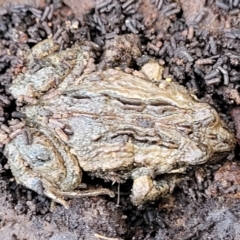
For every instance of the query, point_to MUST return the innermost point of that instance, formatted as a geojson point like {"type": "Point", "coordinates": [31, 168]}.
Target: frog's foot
{"type": "Point", "coordinates": [88, 193]}
{"type": "Point", "coordinates": [146, 189]}
{"type": "Point", "coordinates": [58, 196]}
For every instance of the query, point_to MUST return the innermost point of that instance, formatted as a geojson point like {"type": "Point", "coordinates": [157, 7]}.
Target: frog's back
{"type": "Point", "coordinates": [120, 122]}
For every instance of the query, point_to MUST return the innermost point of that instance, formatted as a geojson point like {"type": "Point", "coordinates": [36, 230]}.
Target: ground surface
{"type": "Point", "coordinates": [206, 204]}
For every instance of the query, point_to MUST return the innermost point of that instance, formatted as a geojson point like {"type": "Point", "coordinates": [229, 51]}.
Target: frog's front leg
{"type": "Point", "coordinates": [146, 189]}
{"type": "Point", "coordinates": [47, 69]}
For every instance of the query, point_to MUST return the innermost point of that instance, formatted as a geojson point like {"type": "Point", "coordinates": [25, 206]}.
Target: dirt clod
{"type": "Point", "coordinates": [226, 181]}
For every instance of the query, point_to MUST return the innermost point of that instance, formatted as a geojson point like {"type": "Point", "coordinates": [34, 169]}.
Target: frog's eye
{"type": "Point", "coordinates": [212, 136]}
{"type": "Point", "coordinates": [204, 118]}
{"type": "Point", "coordinates": [209, 121]}
{"type": "Point", "coordinates": [197, 124]}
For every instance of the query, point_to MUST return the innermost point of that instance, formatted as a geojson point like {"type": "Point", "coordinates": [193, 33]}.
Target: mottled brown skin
{"type": "Point", "coordinates": [122, 127]}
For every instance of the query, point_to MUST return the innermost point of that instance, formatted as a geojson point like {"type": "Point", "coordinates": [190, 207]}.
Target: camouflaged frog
{"type": "Point", "coordinates": [108, 123]}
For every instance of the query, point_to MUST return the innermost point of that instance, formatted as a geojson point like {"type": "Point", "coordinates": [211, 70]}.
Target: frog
{"type": "Point", "coordinates": [109, 123]}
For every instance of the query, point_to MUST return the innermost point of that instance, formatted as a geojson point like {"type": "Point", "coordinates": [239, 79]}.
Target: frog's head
{"type": "Point", "coordinates": [44, 159]}
{"type": "Point", "coordinates": [213, 132]}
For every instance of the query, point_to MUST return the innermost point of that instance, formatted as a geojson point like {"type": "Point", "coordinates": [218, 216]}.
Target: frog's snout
{"type": "Point", "coordinates": [217, 135]}
{"type": "Point", "coordinates": [225, 140]}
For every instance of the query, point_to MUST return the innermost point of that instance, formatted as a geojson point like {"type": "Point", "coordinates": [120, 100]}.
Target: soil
{"type": "Point", "coordinates": [205, 205]}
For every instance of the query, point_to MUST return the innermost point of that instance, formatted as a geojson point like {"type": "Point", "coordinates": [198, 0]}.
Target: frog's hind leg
{"type": "Point", "coordinates": [58, 196]}
{"type": "Point", "coordinates": [146, 189]}
{"type": "Point", "coordinates": [88, 193]}
{"type": "Point", "coordinates": [28, 178]}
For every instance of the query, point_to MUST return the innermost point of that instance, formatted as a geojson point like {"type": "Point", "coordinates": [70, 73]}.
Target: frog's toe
{"type": "Point", "coordinates": [56, 197]}
{"type": "Point", "coordinates": [88, 193]}
{"type": "Point", "coordinates": [146, 189]}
